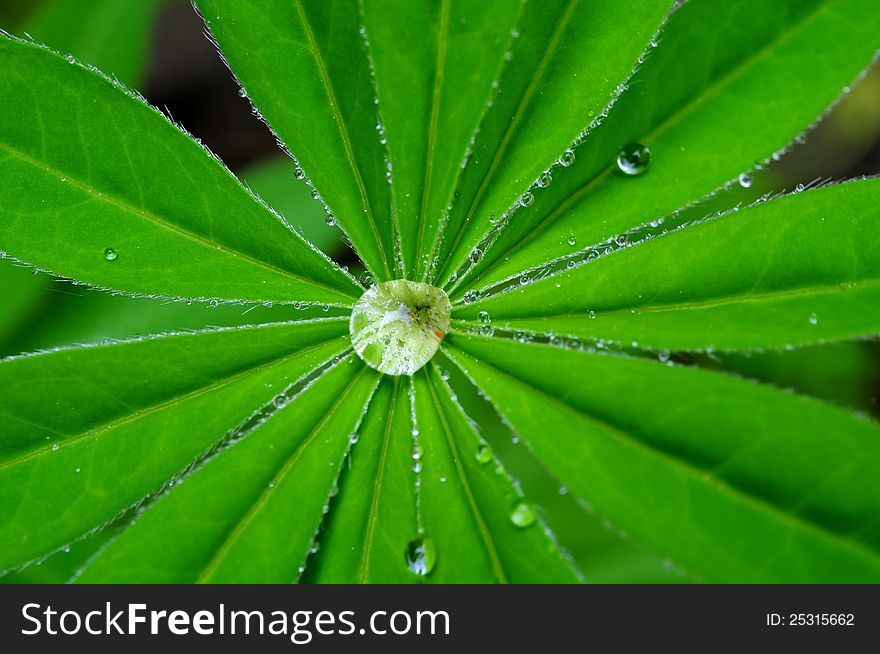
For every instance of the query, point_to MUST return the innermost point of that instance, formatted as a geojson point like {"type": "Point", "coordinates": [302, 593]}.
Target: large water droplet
{"type": "Point", "coordinates": [476, 256]}
{"type": "Point", "coordinates": [397, 326]}
{"type": "Point", "coordinates": [567, 158]}
{"type": "Point", "coordinates": [523, 514]}
{"type": "Point", "coordinates": [745, 181]}
{"type": "Point", "coordinates": [110, 254]}
{"type": "Point", "coordinates": [633, 158]}
{"type": "Point", "coordinates": [484, 317]}
{"type": "Point", "coordinates": [421, 556]}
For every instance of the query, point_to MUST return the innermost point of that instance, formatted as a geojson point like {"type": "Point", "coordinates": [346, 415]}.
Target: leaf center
{"type": "Point", "coordinates": [397, 326]}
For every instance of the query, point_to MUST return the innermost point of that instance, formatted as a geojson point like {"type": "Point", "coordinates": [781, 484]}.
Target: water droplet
{"type": "Point", "coordinates": [470, 297]}
{"type": "Point", "coordinates": [814, 319]}
{"type": "Point", "coordinates": [484, 317]}
{"type": "Point", "coordinates": [567, 158]}
{"type": "Point", "coordinates": [484, 454]}
{"type": "Point", "coordinates": [545, 180]}
{"type": "Point", "coordinates": [110, 254]}
{"type": "Point", "coordinates": [523, 514]}
{"type": "Point", "coordinates": [315, 194]}
{"type": "Point", "coordinates": [476, 256]}
{"type": "Point", "coordinates": [421, 556]}
{"type": "Point", "coordinates": [298, 173]}
{"type": "Point", "coordinates": [330, 220]}
{"type": "Point", "coordinates": [214, 304]}
{"type": "Point", "coordinates": [799, 188]}
{"type": "Point", "coordinates": [527, 200]}
{"type": "Point", "coordinates": [633, 158]}
{"type": "Point", "coordinates": [745, 181]}
{"type": "Point", "coordinates": [242, 93]}
{"type": "Point", "coordinates": [78, 469]}
{"type": "Point", "coordinates": [487, 330]}
{"type": "Point", "coordinates": [572, 240]}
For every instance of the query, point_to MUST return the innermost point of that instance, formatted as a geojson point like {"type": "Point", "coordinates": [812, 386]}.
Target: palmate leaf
{"type": "Point", "coordinates": [710, 103]}
{"type": "Point", "coordinates": [433, 96]}
{"type": "Point", "coordinates": [547, 94]}
{"type": "Point", "coordinates": [303, 65]}
{"type": "Point", "coordinates": [272, 453]}
{"type": "Point", "coordinates": [801, 269]}
{"type": "Point", "coordinates": [257, 505]}
{"type": "Point", "coordinates": [126, 418]}
{"type": "Point", "coordinates": [101, 188]}
{"type": "Point", "coordinates": [687, 461]}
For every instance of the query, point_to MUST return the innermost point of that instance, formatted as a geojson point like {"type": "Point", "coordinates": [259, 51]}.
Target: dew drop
{"type": "Point", "coordinates": [484, 454]}
{"type": "Point", "coordinates": [633, 158]}
{"type": "Point", "coordinates": [567, 158]}
{"type": "Point", "coordinates": [527, 200]}
{"type": "Point", "coordinates": [799, 188]}
{"type": "Point", "coordinates": [298, 173]}
{"type": "Point", "coordinates": [813, 319]}
{"type": "Point", "coordinates": [745, 181]}
{"type": "Point", "coordinates": [470, 297]}
{"type": "Point", "coordinates": [214, 304]}
{"type": "Point", "coordinates": [487, 330]}
{"type": "Point", "coordinates": [476, 256]}
{"type": "Point", "coordinates": [523, 514]}
{"type": "Point", "coordinates": [572, 240]}
{"type": "Point", "coordinates": [421, 556]}
{"type": "Point", "coordinates": [484, 317]}
{"type": "Point", "coordinates": [545, 180]}
{"type": "Point", "coordinates": [242, 93]}
{"type": "Point", "coordinates": [110, 254]}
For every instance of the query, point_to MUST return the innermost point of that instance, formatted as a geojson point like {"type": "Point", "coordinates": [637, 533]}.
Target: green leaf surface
{"type": "Point", "coordinates": [87, 167]}
{"type": "Point", "coordinates": [88, 432]}
{"type": "Point", "coordinates": [274, 180]}
{"type": "Point", "coordinates": [303, 64]}
{"type": "Point", "coordinates": [434, 65]}
{"type": "Point", "coordinates": [373, 519]}
{"type": "Point", "coordinates": [688, 461]}
{"type": "Point", "coordinates": [257, 505]}
{"type": "Point", "coordinates": [465, 505]}
{"type": "Point", "coordinates": [730, 84]}
{"type": "Point", "coordinates": [564, 66]}
{"type": "Point", "coordinates": [112, 35]}
{"type": "Point", "coordinates": [800, 269]}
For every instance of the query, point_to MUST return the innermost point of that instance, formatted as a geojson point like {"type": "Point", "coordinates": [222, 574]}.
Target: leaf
{"type": "Point", "coordinates": [89, 432]}
{"type": "Point", "coordinates": [734, 481]}
{"type": "Point", "coordinates": [801, 269]}
{"type": "Point", "coordinates": [22, 293]}
{"type": "Point", "coordinates": [273, 180]}
{"type": "Point", "coordinates": [465, 506]}
{"type": "Point", "coordinates": [434, 65]}
{"type": "Point", "coordinates": [257, 504]}
{"type": "Point", "coordinates": [108, 34]}
{"type": "Point", "coordinates": [373, 519]}
{"type": "Point", "coordinates": [564, 66]}
{"type": "Point", "coordinates": [303, 65]}
{"type": "Point", "coordinates": [730, 85]}
{"type": "Point", "coordinates": [88, 167]}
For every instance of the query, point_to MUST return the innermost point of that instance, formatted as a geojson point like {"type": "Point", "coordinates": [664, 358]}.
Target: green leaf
{"type": "Point", "coordinates": [112, 35]}
{"type": "Point", "coordinates": [563, 69]}
{"type": "Point", "coordinates": [89, 432]}
{"type": "Point", "coordinates": [274, 181]}
{"type": "Point", "coordinates": [434, 64]}
{"type": "Point", "coordinates": [22, 293]}
{"type": "Point", "coordinates": [733, 481]}
{"type": "Point", "coordinates": [373, 519]}
{"type": "Point", "coordinates": [729, 85]}
{"type": "Point", "coordinates": [258, 504]}
{"type": "Point", "coordinates": [303, 65]}
{"type": "Point", "coordinates": [90, 169]}
{"type": "Point", "coordinates": [466, 503]}
{"type": "Point", "coordinates": [801, 269]}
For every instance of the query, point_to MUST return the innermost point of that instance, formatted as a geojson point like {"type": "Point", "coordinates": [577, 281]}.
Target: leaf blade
{"type": "Point", "coordinates": [60, 468]}
{"type": "Point", "coordinates": [801, 269]}
{"type": "Point", "coordinates": [127, 180]}
{"type": "Point", "coordinates": [719, 505]}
